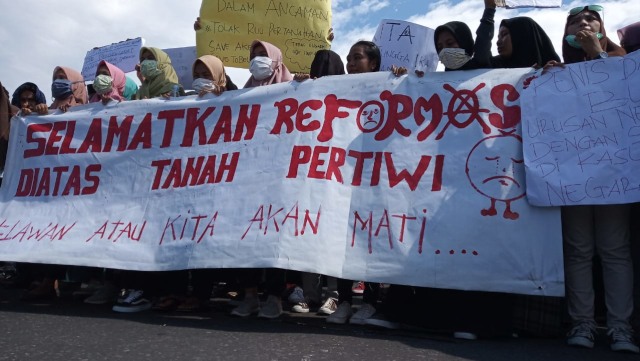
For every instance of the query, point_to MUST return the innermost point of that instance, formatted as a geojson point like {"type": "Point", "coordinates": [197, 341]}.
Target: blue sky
{"type": "Point", "coordinates": [39, 35]}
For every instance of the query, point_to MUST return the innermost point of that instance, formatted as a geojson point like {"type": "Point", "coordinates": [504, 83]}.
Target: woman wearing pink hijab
{"type": "Point", "coordinates": [109, 83]}
{"type": "Point", "coordinates": [266, 65]}
{"type": "Point", "coordinates": [68, 89]}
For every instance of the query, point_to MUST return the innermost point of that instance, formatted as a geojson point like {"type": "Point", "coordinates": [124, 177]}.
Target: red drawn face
{"type": "Point", "coordinates": [497, 174]}
{"type": "Point", "coordinates": [370, 116]}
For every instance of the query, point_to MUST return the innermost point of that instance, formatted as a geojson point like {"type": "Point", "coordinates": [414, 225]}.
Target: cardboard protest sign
{"type": "Point", "coordinates": [124, 55]}
{"type": "Point", "coordinates": [182, 60]}
{"type": "Point", "coordinates": [406, 44]}
{"type": "Point", "coordinates": [299, 28]}
{"type": "Point", "coordinates": [513, 4]}
{"type": "Point", "coordinates": [415, 181]}
{"type": "Point", "coordinates": [581, 133]}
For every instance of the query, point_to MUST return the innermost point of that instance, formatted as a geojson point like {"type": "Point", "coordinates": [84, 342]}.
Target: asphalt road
{"type": "Point", "coordinates": [71, 330]}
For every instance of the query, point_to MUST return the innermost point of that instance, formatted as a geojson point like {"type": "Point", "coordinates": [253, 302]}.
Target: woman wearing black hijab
{"type": "Point", "coordinates": [456, 48]}
{"type": "Point", "coordinates": [522, 43]}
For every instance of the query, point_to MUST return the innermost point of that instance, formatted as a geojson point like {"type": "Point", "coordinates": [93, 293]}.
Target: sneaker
{"type": "Point", "coordinates": [247, 307]}
{"type": "Point", "coordinates": [134, 302]}
{"type": "Point", "coordinates": [364, 312]}
{"type": "Point", "coordinates": [358, 287]}
{"type": "Point", "coordinates": [581, 335]}
{"type": "Point", "coordinates": [300, 307]}
{"type": "Point", "coordinates": [103, 295]}
{"type": "Point", "coordinates": [462, 335]}
{"type": "Point", "coordinates": [341, 315]}
{"type": "Point", "coordinates": [622, 340]}
{"type": "Point", "coordinates": [329, 306]}
{"type": "Point", "coordinates": [272, 308]}
{"type": "Point", "coordinates": [379, 320]}
{"type": "Point", "coordinates": [296, 296]}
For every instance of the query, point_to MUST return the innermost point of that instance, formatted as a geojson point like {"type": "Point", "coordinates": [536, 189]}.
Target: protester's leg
{"type": "Point", "coordinates": [343, 312]}
{"type": "Point", "coordinates": [249, 279]}
{"type": "Point", "coordinates": [579, 243]}
{"type": "Point", "coordinates": [312, 287]}
{"type": "Point", "coordinates": [634, 222]}
{"type": "Point", "coordinates": [344, 291]}
{"type": "Point", "coordinates": [612, 242]}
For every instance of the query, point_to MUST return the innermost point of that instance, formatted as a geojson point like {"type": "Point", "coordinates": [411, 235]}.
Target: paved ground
{"type": "Point", "coordinates": [70, 330]}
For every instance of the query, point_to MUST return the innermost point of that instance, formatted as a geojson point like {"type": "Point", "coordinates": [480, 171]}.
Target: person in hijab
{"type": "Point", "coordinates": [209, 76]}
{"type": "Point", "coordinates": [159, 77]}
{"type": "Point", "coordinates": [522, 43]}
{"type": "Point", "coordinates": [109, 83]}
{"type": "Point", "coordinates": [630, 37]}
{"type": "Point", "coordinates": [29, 99]}
{"type": "Point", "coordinates": [325, 62]}
{"type": "Point", "coordinates": [456, 48]}
{"type": "Point", "coordinates": [266, 66]}
{"type": "Point", "coordinates": [588, 229]}
{"type": "Point", "coordinates": [68, 89]}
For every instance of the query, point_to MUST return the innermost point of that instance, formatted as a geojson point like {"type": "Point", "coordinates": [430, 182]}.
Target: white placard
{"type": "Point", "coordinates": [406, 44]}
{"type": "Point", "coordinates": [124, 55]}
{"type": "Point", "coordinates": [581, 128]}
{"type": "Point", "coordinates": [182, 60]}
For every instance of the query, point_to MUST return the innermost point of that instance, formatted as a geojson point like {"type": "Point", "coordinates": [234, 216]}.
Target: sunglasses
{"type": "Point", "coordinates": [579, 9]}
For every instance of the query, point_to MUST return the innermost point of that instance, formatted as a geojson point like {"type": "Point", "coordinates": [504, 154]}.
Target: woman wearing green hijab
{"type": "Point", "coordinates": [160, 79]}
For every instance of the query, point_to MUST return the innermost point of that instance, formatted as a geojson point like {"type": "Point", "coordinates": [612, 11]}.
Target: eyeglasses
{"type": "Point", "coordinates": [579, 9]}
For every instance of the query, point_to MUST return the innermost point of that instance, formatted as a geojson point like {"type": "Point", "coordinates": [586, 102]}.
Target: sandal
{"type": "Point", "coordinates": [167, 303]}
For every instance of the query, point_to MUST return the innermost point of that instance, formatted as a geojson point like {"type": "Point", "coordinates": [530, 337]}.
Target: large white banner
{"type": "Point", "coordinates": [365, 177]}
{"type": "Point", "coordinates": [581, 129]}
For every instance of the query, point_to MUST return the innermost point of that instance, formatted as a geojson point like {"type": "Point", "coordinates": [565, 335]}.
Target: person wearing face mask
{"type": "Point", "coordinates": [266, 66]}
{"type": "Point", "coordinates": [29, 99]}
{"type": "Point", "coordinates": [456, 48]}
{"type": "Point", "coordinates": [588, 229]}
{"type": "Point", "coordinates": [209, 76]}
{"type": "Point", "coordinates": [160, 79]}
{"type": "Point", "coordinates": [109, 83]}
{"type": "Point", "coordinates": [68, 89]}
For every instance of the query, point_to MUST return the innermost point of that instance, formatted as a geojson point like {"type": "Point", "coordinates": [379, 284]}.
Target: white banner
{"type": "Point", "coordinates": [366, 177]}
{"type": "Point", "coordinates": [581, 130]}
{"type": "Point", "coordinates": [514, 4]}
{"type": "Point", "coordinates": [406, 44]}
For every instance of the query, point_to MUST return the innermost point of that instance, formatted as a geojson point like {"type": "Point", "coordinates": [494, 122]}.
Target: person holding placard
{"type": "Point", "coordinates": [523, 43]}
{"type": "Point", "coordinates": [109, 83]}
{"type": "Point", "coordinates": [588, 229]}
{"type": "Point", "coordinates": [456, 48]}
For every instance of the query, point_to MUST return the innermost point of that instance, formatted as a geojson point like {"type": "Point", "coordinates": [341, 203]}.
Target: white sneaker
{"type": "Point", "coordinates": [296, 296]}
{"type": "Point", "coordinates": [272, 308]}
{"type": "Point", "coordinates": [300, 307]}
{"type": "Point", "coordinates": [247, 307]}
{"type": "Point", "coordinates": [134, 302]}
{"type": "Point", "coordinates": [462, 335]}
{"type": "Point", "coordinates": [379, 320]}
{"type": "Point", "coordinates": [364, 312]}
{"type": "Point", "coordinates": [341, 315]}
{"type": "Point", "coordinates": [329, 306]}
{"type": "Point", "coordinates": [622, 340]}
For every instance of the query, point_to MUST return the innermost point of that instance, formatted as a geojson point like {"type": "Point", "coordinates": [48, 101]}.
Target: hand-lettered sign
{"type": "Point", "coordinates": [581, 129]}
{"type": "Point", "coordinates": [513, 4]}
{"type": "Point", "coordinates": [182, 60]}
{"type": "Point", "coordinates": [416, 181]}
{"type": "Point", "coordinates": [406, 44]}
{"type": "Point", "coordinates": [124, 55]}
{"type": "Point", "coordinates": [298, 27]}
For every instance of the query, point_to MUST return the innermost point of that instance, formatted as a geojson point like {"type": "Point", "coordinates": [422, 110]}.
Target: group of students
{"type": "Point", "coordinates": [521, 42]}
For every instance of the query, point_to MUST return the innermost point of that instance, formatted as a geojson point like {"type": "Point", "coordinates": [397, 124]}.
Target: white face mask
{"type": "Point", "coordinates": [260, 67]}
{"type": "Point", "coordinates": [453, 58]}
{"type": "Point", "coordinates": [200, 84]}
